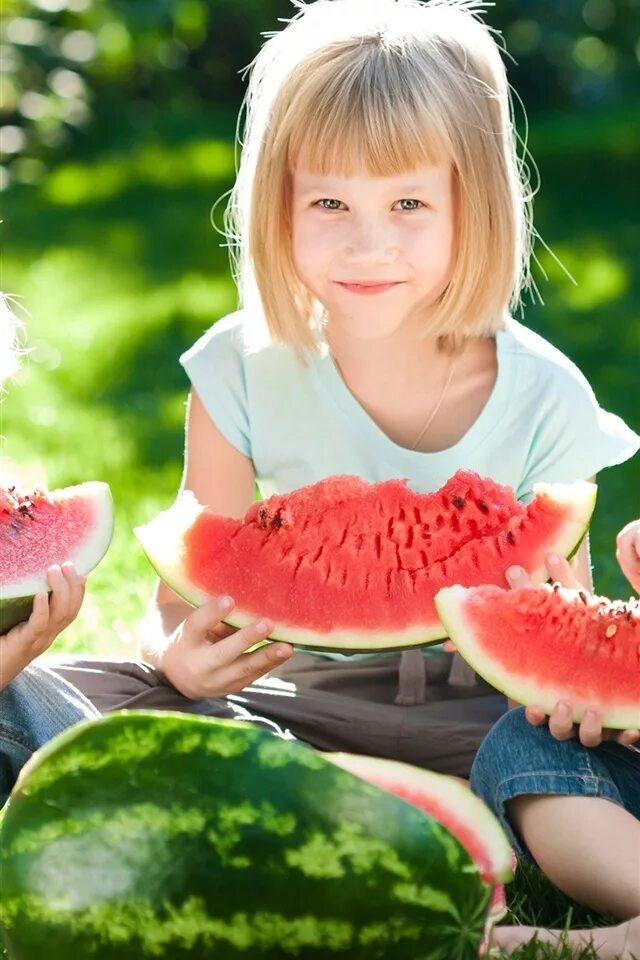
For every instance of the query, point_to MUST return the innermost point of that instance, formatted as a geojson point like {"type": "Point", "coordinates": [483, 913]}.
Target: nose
{"type": "Point", "coordinates": [370, 241]}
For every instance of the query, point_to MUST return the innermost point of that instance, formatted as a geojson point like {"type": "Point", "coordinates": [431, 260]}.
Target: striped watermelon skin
{"type": "Point", "coordinates": [154, 835]}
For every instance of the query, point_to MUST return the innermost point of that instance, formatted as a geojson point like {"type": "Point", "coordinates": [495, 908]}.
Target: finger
{"type": "Point", "coordinates": [77, 584]}
{"type": "Point", "coordinates": [561, 721]}
{"type": "Point", "coordinates": [255, 665]}
{"type": "Point", "coordinates": [590, 731]}
{"type": "Point", "coordinates": [561, 571]}
{"type": "Point", "coordinates": [628, 737]}
{"type": "Point", "coordinates": [449, 646]}
{"type": "Point", "coordinates": [59, 599]}
{"type": "Point", "coordinates": [535, 715]}
{"type": "Point", "coordinates": [232, 649]}
{"type": "Point", "coordinates": [517, 578]}
{"type": "Point", "coordinates": [207, 617]}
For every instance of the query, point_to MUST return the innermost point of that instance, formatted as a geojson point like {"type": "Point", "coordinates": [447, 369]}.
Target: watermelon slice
{"type": "Point", "coordinates": [350, 565]}
{"type": "Point", "coordinates": [36, 530]}
{"type": "Point", "coordinates": [550, 643]}
{"type": "Point", "coordinates": [446, 799]}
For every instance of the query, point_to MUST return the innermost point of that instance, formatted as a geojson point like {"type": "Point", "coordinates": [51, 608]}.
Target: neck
{"type": "Point", "coordinates": [403, 355]}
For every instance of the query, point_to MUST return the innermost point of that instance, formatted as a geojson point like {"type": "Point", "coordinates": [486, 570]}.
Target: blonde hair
{"type": "Point", "coordinates": [11, 331]}
{"type": "Point", "coordinates": [389, 85]}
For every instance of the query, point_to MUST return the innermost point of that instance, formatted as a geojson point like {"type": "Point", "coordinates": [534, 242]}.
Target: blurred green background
{"type": "Point", "coordinates": [118, 141]}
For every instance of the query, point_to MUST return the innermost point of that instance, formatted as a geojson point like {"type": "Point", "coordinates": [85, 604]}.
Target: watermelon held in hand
{"type": "Point", "coordinates": [542, 645]}
{"type": "Point", "coordinates": [40, 529]}
{"type": "Point", "coordinates": [349, 565]}
{"type": "Point", "coordinates": [166, 836]}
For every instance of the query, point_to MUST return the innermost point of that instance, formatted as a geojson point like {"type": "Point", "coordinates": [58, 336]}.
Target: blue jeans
{"type": "Point", "coordinates": [35, 707]}
{"type": "Point", "coordinates": [517, 758]}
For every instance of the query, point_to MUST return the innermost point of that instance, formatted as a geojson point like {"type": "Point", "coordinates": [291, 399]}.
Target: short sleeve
{"type": "Point", "coordinates": [215, 367]}
{"type": "Point", "coordinates": [573, 438]}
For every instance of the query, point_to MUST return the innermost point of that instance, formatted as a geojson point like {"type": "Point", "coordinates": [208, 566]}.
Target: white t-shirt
{"type": "Point", "coordinates": [300, 423]}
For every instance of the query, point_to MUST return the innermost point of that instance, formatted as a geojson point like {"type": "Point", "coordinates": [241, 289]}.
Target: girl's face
{"type": "Point", "coordinates": [375, 251]}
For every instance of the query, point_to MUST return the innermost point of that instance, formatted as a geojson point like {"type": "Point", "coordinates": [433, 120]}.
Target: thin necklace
{"type": "Point", "coordinates": [438, 404]}
{"type": "Point", "coordinates": [432, 413]}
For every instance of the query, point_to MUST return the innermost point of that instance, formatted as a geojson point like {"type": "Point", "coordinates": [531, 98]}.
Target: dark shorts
{"type": "Point", "coordinates": [330, 704]}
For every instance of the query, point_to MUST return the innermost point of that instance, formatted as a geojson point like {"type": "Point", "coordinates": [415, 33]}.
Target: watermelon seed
{"type": "Point", "coordinates": [277, 520]}
{"type": "Point", "coordinates": [482, 507]}
{"type": "Point", "coordinates": [459, 502]}
{"type": "Point", "coordinates": [556, 587]}
{"type": "Point", "coordinates": [582, 596]}
{"type": "Point", "coordinates": [263, 517]}
{"type": "Point", "coordinates": [511, 539]}
{"type": "Point", "coordinates": [611, 630]}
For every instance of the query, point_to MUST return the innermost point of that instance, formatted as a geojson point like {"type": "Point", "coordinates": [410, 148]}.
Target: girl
{"type": "Point", "coordinates": [382, 226]}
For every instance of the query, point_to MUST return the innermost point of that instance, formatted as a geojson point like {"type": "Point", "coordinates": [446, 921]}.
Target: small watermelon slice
{"type": "Point", "coordinates": [40, 529]}
{"type": "Point", "coordinates": [350, 565]}
{"type": "Point", "coordinates": [542, 645]}
{"type": "Point", "coordinates": [448, 800]}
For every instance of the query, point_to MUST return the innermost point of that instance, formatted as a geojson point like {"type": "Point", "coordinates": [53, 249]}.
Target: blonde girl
{"type": "Point", "coordinates": [381, 231]}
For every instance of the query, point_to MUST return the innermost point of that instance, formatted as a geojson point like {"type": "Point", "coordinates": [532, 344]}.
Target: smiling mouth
{"type": "Point", "coordinates": [367, 286]}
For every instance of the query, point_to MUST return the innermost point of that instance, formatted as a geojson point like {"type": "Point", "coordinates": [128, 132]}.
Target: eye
{"type": "Point", "coordinates": [407, 204]}
{"type": "Point", "coordinates": [329, 204]}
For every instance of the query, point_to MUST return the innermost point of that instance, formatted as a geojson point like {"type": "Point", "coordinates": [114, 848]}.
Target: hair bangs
{"type": "Point", "coordinates": [365, 116]}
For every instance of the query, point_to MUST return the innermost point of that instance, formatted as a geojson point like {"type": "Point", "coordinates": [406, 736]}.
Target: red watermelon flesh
{"type": "Point", "coordinates": [349, 565]}
{"type": "Point", "coordinates": [40, 529]}
{"type": "Point", "coordinates": [542, 645]}
{"type": "Point", "coordinates": [449, 801]}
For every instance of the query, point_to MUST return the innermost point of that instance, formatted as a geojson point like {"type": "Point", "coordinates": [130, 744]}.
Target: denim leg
{"type": "Point", "coordinates": [35, 707]}
{"type": "Point", "coordinates": [516, 758]}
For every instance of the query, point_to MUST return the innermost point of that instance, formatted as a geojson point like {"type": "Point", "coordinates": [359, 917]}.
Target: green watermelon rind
{"type": "Point", "coordinates": [450, 603]}
{"type": "Point", "coordinates": [89, 868]}
{"type": "Point", "coordinates": [161, 541]}
{"type": "Point", "coordinates": [455, 796]}
{"type": "Point", "coordinates": [16, 598]}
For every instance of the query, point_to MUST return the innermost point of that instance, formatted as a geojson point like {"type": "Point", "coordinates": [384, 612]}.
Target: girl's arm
{"type": "Point", "coordinates": [49, 617]}
{"type": "Point", "coordinates": [198, 653]}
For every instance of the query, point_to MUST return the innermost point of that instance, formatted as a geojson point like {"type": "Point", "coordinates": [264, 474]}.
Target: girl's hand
{"type": "Point", "coordinates": [49, 617]}
{"type": "Point", "coordinates": [628, 553]}
{"type": "Point", "coordinates": [207, 658]}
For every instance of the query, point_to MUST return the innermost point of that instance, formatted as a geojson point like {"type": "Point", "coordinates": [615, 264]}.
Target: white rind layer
{"type": "Point", "coordinates": [450, 603]}
{"type": "Point", "coordinates": [89, 552]}
{"type": "Point", "coordinates": [451, 793]}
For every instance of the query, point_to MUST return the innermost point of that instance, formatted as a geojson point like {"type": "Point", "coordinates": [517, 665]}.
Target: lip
{"type": "Point", "coordinates": [367, 286]}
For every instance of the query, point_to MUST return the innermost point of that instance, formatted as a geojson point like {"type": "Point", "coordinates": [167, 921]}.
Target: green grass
{"type": "Point", "coordinates": [119, 267]}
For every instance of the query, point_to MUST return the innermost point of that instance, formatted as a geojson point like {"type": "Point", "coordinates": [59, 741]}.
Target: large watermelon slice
{"type": "Point", "coordinates": [550, 643]}
{"type": "Point", "coordinates": [40, 529]}
{"type": "Point", "coordinates": [175, 837]}
{"type": "Point", "coordinates": [349, 565]}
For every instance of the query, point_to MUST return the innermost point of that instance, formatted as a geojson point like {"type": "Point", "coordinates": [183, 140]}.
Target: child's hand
{"type": "Point", "coordinates": [589, 731]}
{"type": "Point", "coordinates": [49, 617]}
{"type": "Point", "coordinates": [628, 553]}
{"type": "Point", "coordinates": [207, 658]}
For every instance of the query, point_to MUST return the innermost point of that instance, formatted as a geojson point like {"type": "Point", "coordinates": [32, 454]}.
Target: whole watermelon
{"type": "Point", "coordinates": [154, 835]}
